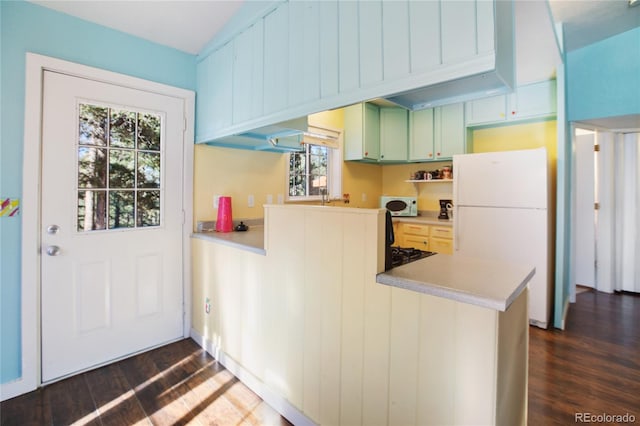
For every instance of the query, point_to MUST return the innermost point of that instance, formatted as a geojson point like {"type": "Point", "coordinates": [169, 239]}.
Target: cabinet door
{"type": "Point", "coordinates": [416, 241]}
{"type": "Point", "coordinates": [276, 59]}
{"type": "Point", "coordinates": [395, 39]}
{"type": "Point", "coordinates": [458, 30]}
{"type": "Point", "coordinates": [370, 42]}
{"type": "Point", "coordinates": [450, 131]}
{"type": "Point", "coordinates": [361, 132]}
{"type": "Point", "coordinates": [486, 110]}
{"type": "Point", "coordinates": [424, 26]}
{"type": "Point", "coordinates": [242, 75]}
{"type": "Point", "coordinates": [329, 68]}
{"type": "Point", "coordinates": [371, 128]}
{"type": "Point", "coordinates": [304, 62]}
{"type": "Point", "coordinates": [441, 245]}
{"type": "Point", "coordinates": [421, 135]}
{"type": "Point", "coordinates": [533, 100]}
{"type": "Point", "coordinates": [393, 134]}
{"type": "Point", "coordinates": [221, 75]}
{"type": "Point", "coordinates": [349, 62]}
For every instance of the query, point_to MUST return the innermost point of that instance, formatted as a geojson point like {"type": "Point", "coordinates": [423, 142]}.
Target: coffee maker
{"type": "Point", "coordinates": [445, 207]}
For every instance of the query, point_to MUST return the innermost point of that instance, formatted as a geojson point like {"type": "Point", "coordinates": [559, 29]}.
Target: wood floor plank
{"type": "Point", "coordinates": [70, 402]}
{"type": "Point", "coordinates": [115, 400]}
{"type": "Point", "coordinates": [28, 409]}
{"type": "Point", "coordinates": [160, 402]}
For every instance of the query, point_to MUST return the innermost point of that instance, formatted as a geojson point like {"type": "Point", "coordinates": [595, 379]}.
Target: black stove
{"type": "Point", "coordinates": [402, 255]}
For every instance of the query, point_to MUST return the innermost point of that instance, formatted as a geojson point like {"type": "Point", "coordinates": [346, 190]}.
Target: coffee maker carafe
{"type": "Point", "coordinates": [445, 208]}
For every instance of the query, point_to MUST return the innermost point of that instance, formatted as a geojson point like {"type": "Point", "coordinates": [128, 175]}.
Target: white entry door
{"type": "Point", "coordinates": [111, 218]}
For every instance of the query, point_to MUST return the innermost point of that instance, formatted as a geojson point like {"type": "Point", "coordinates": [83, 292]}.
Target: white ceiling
{"type": "Point", "coordinates": [185, 25]}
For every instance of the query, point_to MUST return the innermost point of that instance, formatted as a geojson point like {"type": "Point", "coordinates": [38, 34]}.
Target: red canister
{"type": "Point", "coordinates": [225, 220]}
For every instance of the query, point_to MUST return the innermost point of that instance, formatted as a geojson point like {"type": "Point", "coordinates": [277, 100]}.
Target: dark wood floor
{"type": "Point", "coordinates": [591, 367]}
{"type": "Point", "coordinates": [177, 384]}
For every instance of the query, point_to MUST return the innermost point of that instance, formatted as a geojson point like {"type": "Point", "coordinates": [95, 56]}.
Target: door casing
{"type": "Point", "coordinates": [30, 268]}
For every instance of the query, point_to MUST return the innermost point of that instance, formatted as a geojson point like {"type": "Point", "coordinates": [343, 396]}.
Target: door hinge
{"type": "Point", "coordinates": [596, 206]}
{"type": "Point", "coordinates": [596, 148]}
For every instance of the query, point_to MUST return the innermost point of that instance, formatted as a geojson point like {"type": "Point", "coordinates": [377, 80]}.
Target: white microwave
{"type": "Point", "coordinates": [400, 206]}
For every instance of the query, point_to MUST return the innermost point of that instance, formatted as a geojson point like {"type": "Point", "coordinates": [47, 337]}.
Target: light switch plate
{"type": "Point", "coordinates": [250, 201]}
{"type": "Point", "coordinates": [216, 201]}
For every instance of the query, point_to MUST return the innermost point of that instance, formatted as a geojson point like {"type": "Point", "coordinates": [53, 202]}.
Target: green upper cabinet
{"type": "Point", "coordinates": [362, 132]}
{"type": "Point", "coordinates": [449, 131]}
{"type": "Point", "coordinates": [394, 129]}
{"type": "Point", "coordinates": [437, 134]}
{"type": "Point", "coordinates": [530, 101]}
{"type": "Point", "coordinates": [295, 58]}
{"type": "Point", "coordinates": [421, 135]}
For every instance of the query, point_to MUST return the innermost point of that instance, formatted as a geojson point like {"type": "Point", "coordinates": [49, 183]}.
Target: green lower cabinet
{"type": "Point", "coordinates": [437, 134]}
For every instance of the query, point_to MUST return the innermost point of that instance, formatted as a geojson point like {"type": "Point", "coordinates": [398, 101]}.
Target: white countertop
{"type": "Point", "coordinates": [251, 240]}
{"type": "Point", "coordinates": [423, 220]}
{"type": "Point", "coordinates": [487, 283]}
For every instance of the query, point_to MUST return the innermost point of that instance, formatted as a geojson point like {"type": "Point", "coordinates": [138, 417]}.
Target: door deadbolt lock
{"type": "Point", "coordinates": [53, 250]}
{"type": "Point", "coordinates": [53, 229]}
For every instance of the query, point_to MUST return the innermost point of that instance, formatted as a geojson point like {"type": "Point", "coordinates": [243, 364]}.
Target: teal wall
{"type": "Point", "coordinates": [603, 79]}
{"type": "Point", "coordinates": [26, 27]}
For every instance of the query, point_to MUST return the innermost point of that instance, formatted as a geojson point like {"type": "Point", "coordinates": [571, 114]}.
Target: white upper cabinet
{"type": "Point", "coordinates": [530, 101]}
{"type": "Point", "coordinates": [424, 27]}
{"type": "Point", "coordinates": [296, 58]}
{"type": "Point", "coordinates": [304, 61]}
{"type": "Point", "coordinates": [349, 47]}
{"type": "Point", "coordinates": [370, 25]}
{"type": "Point", "coordinates": [328, 48]}
{"type": "Point", "coordinates": [396, 43]}
{"type": "Point", "coordinates": [276, 60]}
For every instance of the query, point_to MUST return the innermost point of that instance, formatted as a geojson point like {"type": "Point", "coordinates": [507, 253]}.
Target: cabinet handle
{"type": "Point", "coordinates": [366, 153]}
{"type": "Point", "coordinates": [513, 113]}
{"type": "Point", "coordinates": [430, 154]}
{"type": "Point", "coordinates": [437, 154]}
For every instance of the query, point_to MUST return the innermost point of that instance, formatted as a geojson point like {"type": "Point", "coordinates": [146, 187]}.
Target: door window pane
{"type": "Point", "coordinates": [149, 132]}
{"type": "Point", "coordinates": [121, 211]}
{"type": "Point", "coordinates": [148, 170]}
{"type": "Point", "coordinates": [92, 167]}
{"type": "Point", "coordinates": [148, 208]}
{"type": "Point", "coordinates": [122, 127]}
{"type": "Point", "coordinates": [93, 124]}
{"type": "Point", "coordinates": [119, 168]}
{"type": "Point", "coordinates": [92, 210]}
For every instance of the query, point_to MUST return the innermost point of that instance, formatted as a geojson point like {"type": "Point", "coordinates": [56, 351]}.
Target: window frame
{"type": "Point", "coordinates": [334, 173]}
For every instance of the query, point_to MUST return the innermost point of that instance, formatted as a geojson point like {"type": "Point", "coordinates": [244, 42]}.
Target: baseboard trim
{"type": "Point", "coordinates": [280, 404]}
{"type": "Point", "coordinates": [15, 388]}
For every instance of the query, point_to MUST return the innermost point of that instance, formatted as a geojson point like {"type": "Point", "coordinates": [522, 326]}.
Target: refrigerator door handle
{"type": "Point", "coordinates": [456, 229]}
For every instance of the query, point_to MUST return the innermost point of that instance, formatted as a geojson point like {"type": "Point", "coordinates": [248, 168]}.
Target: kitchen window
{"type": "Point", "coordinates": [314, 172]}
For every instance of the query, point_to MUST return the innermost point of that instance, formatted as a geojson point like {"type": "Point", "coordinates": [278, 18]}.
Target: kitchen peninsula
{"type": "Point", "coordinates": [321, 333]}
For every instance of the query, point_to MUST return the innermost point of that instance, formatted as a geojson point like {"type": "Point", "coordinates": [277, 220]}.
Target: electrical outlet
{"type": "Point", "coordinates": [364, 197]}
{"type": "Point", "coordinates": [207, 306]}
{"type": "Point", "coordinates": [269, 199]}
{"type": "Point", "coordinates": [216, 201]}
{"type": "Point", "coordinates": [280, 199]}
{"type": "Point", "coordinates": [250, 201]}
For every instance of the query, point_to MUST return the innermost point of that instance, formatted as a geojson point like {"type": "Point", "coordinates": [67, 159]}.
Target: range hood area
{"type": "Point", "coordinates": [287, 136]}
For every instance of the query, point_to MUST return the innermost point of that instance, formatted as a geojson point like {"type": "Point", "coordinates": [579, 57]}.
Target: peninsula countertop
{"type": "Point", "coordinates": [251, 240]}
{"type": "Point", "coordinates": [487, 283]}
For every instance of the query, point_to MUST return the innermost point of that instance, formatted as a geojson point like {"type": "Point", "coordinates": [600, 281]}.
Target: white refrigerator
{"type": "Point", "coordinates": [500, 203]}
